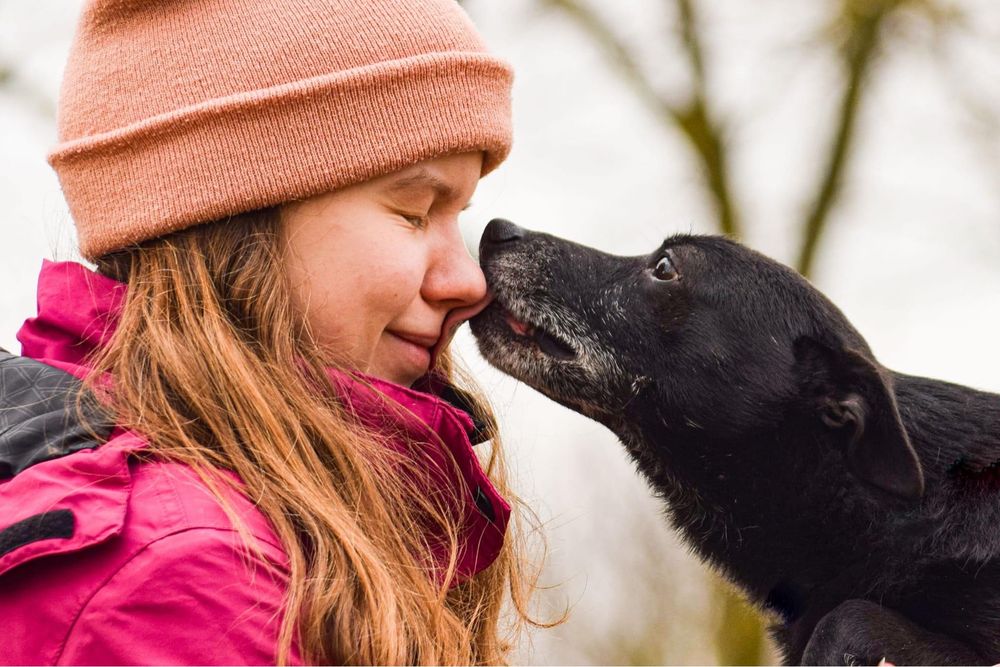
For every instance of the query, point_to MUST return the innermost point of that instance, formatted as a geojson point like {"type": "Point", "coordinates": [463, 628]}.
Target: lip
{"type": "Point", "coordinates": [417, 339]}
{"type": "Point", "coordinates": [419, 353]}
{"type": "Point", "coordinates": [453, 320]}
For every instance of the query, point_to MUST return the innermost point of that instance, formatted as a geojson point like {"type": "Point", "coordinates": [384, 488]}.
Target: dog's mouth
{"type": "Point", "coordinates": [546, 341]}
{"type": "Point", "coordinates": [523, 331]}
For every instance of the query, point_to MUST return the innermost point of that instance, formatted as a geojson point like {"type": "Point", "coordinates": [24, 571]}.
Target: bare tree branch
{"type": "Point", "coordinates": [863, 21]}
{"type": "Point", "coordinates": [707, 137]}
{"type": "Point", "coordinates": [693, 118]}
{"type": "Point", "coordinates": [615, 48]}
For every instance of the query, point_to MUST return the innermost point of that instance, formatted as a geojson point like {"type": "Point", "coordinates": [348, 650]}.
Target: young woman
{"type": "Point", "coordinates": [267, 459]}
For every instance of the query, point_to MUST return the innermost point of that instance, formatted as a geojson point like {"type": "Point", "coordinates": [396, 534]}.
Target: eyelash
{"type": "Point", "coordinates": [420, 222]}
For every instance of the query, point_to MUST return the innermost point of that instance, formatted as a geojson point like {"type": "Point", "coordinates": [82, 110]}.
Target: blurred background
{"type": "Point", "coordinates": [857, 140]}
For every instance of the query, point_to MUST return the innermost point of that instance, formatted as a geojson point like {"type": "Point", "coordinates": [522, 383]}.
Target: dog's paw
{"type": "Point", "coordinates": [842, 637]}
{"type": "Point", "coordinates": [860, 632]}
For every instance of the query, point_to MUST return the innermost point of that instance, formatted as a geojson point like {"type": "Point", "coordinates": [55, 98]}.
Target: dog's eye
{"type": "Point", "coordinates": [665, 270]}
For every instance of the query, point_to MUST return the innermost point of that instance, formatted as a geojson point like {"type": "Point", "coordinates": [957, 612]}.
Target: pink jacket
{"type": "Point", "coordinates": [105, 559]}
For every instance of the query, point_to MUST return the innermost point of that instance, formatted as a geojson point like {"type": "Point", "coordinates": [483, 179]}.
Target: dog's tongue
{"type": "Point", "coordinates": [453, 320]}
{"type": "Point", "coordinates": [519, 327]}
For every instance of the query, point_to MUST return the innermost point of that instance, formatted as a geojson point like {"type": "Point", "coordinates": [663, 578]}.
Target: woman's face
{"type": "Point", "coordinates": [377, 268]}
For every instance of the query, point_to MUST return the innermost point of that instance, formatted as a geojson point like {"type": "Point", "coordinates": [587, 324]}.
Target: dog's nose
{"type": "Point", "coordinates": [502, 231]}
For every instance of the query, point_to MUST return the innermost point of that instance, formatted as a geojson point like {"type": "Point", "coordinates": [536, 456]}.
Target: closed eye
{"type": "Point", "coordinates": [418, 221]}
{"type": "Point", "coordinates": [421, 221]}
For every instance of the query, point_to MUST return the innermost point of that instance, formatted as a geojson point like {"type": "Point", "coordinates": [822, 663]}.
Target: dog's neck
{"type": "Point", "coordinates": [787, 539]}
{"type": "Point", "coordinates": [738, 514]}
{"type": "Point", "coordinates": [744, 504]}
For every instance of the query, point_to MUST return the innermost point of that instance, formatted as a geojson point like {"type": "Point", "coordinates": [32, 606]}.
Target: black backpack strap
{"type": "Point", "coordinates": [38, 416]}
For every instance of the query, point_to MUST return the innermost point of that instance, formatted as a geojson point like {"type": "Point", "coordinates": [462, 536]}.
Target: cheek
{"type": "Point", "coordinates": [386, 287]}
{"type": "Point", "coordinates": [351, 289]}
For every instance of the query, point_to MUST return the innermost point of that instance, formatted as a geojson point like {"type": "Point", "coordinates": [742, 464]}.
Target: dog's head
{"type": "Point", "coordinates": [701, 337]}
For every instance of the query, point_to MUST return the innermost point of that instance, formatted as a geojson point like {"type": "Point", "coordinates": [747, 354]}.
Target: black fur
{"type": "Point", "coordinates": [860, 505]}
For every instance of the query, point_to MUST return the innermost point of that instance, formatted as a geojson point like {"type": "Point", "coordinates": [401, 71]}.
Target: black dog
{"type": "Point", "coordinates": [860, 505]}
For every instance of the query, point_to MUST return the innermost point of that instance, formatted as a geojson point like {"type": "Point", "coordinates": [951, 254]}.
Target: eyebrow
{"type": "Point", "coordinates": [424, 178]}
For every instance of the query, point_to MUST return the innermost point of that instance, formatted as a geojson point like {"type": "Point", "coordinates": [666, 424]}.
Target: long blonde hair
{"type": "Point", "coordinates": [211, 365]}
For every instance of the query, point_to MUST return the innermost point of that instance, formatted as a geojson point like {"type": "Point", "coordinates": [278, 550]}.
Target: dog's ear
{"type": "Point", "coordinates": [855, 400]}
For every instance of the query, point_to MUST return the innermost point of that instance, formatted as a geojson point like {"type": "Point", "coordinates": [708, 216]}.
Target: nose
{"type": "Point", "coordinates": [501, 231]}
{"type": "Point", "coordinates": [453, 275]}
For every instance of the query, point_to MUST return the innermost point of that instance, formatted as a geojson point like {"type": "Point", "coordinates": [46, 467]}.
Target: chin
{"type": "Point", "coordinates": [405, 378]}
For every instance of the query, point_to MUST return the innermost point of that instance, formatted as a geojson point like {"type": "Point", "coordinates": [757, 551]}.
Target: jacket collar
{"type": "Point", "coordinates": [78, 311]}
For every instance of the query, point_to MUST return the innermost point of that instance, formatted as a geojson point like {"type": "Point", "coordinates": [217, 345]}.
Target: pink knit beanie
{"type": "Point", "coordinates": [175, 113]}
